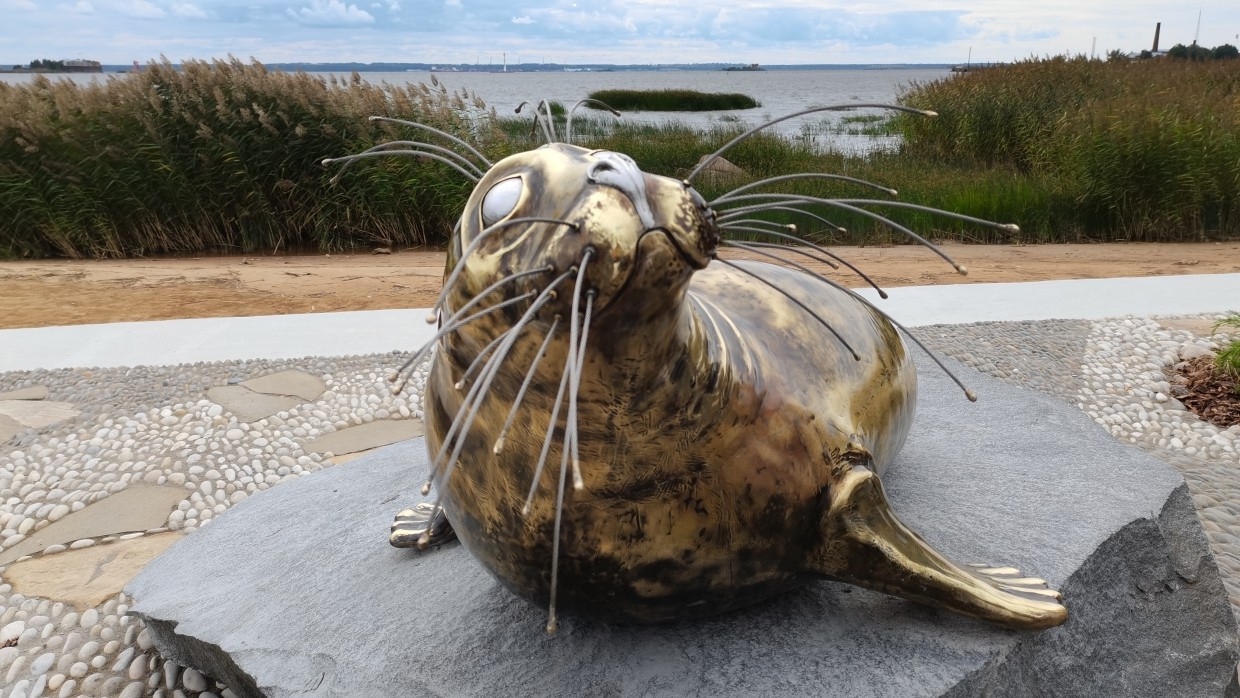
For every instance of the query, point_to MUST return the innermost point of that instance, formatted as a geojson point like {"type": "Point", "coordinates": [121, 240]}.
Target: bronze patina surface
{"type": "Point", "coordinates": [729, 446]}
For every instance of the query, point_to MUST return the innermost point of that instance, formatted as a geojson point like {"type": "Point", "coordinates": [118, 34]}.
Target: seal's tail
{"type": "Point", "coordinates": [866, 545]}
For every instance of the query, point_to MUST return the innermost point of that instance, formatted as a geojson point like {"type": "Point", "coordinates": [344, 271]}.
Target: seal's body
{"type": "Point", "coordinates": [729, 446]}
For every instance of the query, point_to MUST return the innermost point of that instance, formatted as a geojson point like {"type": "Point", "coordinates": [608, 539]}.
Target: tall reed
{"type": "Point", "coordinates": [1150, 150]}
{"type": "Point", "coordinates": [218, 156]}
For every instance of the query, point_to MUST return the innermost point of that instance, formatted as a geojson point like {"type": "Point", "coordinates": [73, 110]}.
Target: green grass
{"type": "Point", "coordinates": [1228, 359]}
{"type": "Point", "coordinates": [672, 100]}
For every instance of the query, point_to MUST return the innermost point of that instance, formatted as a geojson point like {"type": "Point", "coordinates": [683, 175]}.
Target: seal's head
{"type": "Point", "coordinates": [644, 234]}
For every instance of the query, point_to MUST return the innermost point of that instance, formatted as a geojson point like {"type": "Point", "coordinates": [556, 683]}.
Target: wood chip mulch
{"type": "Point", "coordinates": [1211, 394]}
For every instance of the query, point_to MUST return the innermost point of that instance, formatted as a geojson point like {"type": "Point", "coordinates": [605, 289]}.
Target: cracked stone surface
{"type": "Point", "coordinates": [296, 383]}
{"type": "Point", "coordinates": [265, 396]}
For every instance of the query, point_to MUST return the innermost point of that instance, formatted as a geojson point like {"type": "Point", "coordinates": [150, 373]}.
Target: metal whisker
{"type": "Point", "coordinates": [459, 141]}
{"type": "Point", "coordinates": [546, 447]}
{"type": "Point", "coordinates": [792, 238]}
{"type": "Point", "coordinates": [802, 251]}
{"type": "Point", "coordinates": [767, 231]}
{"type": "Point", "coordinates": [495, 286]}
{"type": "Point", "coordinates": [575, 352]}
{"type": "Point", "coordinates": [840, 204]}
{"type": "Point", "coordinates": [525, 386]}
{"type": "Point", "coordinates": [399, 376]}
{"type": "Point", "coordinates": [486, 351]}
{"type": "Point", "coordinates": [789, 296]}
{"type": "Point", "coordinates": [706, 161]}
{"type": "Point", "coordinates": [1006, 227]}
{"type": "Point", "coordinates": [568, 126]}
{"type": "Point", "coordinates": [570, 442]}
{"type": "Point", "coordinates": [736, 213]}
{"type": "Point", "coordinates": [411, 153]}
{"type": "Point", "coordinates": [757, 249]}
{"type": "Point", "coordinates": [448, 152]}
{"type": "Point", "coordinates": [493, 362]}
{"type": "Point", "coordinates": [473, 401]}
{"type": "Point", "coordinates": [491, 369]}
{"type": "Point", "coordinates": [548, 128]}
{"type": "Point", "coordinates": [934, 357]}
{"type": "Point", "coordinates": [802, 175]}
{"type": "Point", "coordinates": [455, 275]}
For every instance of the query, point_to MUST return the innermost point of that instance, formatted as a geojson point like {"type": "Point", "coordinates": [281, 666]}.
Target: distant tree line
{"type": "Point", "coordinates": [45, 64]}
{"type": "Point", "coordinates": [1194, 52]}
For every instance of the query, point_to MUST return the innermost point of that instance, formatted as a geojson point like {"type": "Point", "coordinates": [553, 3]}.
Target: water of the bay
{"type": "Point", "coordinates": [780, 92]}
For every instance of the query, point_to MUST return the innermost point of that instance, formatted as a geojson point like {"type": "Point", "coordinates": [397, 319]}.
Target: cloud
{"type": "Point", "coordinates": [188, 10]}
{"type": "Point", "coordinates": [524, 19]}
{"type": "Point", "coordinates": [331, 13]}
{"type": "Point", "coordinates": [23, 5]}
{"type": "Point", "coordinates": [141, 9]}
{"type": "Point", "coordinates": [394, 6]}
{"type": "Point", "coordinates": [81, 7]}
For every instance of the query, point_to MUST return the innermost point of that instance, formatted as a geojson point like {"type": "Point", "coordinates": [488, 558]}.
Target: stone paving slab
{"type": "Point", "coordinates": [86, 578]}
{"type": "Point", "coordinates": [136, 508]}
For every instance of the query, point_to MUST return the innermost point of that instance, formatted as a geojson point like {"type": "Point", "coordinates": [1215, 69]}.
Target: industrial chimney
{"type": "Point", "coordinates": [1157, 29]}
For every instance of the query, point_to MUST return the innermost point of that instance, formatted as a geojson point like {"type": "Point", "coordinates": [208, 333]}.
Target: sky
{"type": "Point", "coordinates": [602, 31]}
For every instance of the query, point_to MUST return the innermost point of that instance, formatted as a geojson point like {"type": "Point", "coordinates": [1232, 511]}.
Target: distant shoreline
{"type": "Point", "coordinates": [522, 67]}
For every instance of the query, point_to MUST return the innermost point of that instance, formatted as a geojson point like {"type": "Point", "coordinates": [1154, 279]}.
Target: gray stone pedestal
{"type": "Point", "coordinates": [295, 592]}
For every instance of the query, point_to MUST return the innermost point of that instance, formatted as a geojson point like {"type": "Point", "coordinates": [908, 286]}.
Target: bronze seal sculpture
{"type": "Point", "coordinates": [719, 427]}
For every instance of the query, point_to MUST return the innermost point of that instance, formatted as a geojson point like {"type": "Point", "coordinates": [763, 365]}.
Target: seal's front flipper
{"type": "Point", "coordinates": [423, 518]}
{"type": "Point", "coordinates": [866, 545]}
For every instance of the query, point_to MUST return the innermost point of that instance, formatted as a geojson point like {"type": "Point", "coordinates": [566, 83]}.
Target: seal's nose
{"type": "Point", "coordinates": [621, 172]}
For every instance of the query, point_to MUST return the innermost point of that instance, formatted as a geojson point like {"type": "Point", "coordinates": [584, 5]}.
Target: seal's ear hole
{"type": "Point", "coordinates": [501, 200]}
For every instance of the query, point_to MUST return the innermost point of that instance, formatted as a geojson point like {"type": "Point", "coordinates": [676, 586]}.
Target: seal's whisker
{"type": "Point", "coordinates": [736, 213]}
{"type": "Point", "coordinates": [495, 286]}
{"type": "Point", "coordinates": [801, 175]}
{"type": "Point", "coordinates": [448, 329]}
{"type": "Point", "coordinates": [398, 146]}
{"type": "Point", "coordinates": [546, 447]}
{"type": "Point", "coordinates": [799, 248]}
{"type": "Point", "coordinates": [765, 231]}
{"type": "Point", "coordinates": [525, 385]}
{"type": "Point", "coordinates": [844, 205]}
{"type": "Point", "coordinates": [706, 161]}
{"type": "Point", "coordinates": [789, 296]}
{"type": "Point", "coordinates": [473, 399]}
{"type": "Point", "coordinates": [434, 130]}
{"type": "Point", "coordinates": [1006, 227]}
{"type": "Point", "coordinates": [486, 351]}
{"type": "Point", "coordinates": [541, 120]}
{"type": "Point", "coordinates": [411, 153]}
{"type": "Point", "coordinates": [552, 622]}
{"type": "Point", "coordinates": [568, 126]}
{"type": "Point", "coordinates": [907, 333]}
{"type": "Point", "coordinates": [757, 248]}
{"type": "Point", "coordinates": [450, 282]}
{"type": "Point", "coordinates": [576, 351]}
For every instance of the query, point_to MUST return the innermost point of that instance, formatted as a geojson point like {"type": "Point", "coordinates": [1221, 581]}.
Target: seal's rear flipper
{"type": "Point", "coordinates": [410, 524]}
{"type": "Point", "coordinates": [866, 545]}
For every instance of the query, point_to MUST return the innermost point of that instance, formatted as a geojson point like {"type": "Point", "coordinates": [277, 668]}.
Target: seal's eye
{"type": "Point", "coordinates": [501, 200]}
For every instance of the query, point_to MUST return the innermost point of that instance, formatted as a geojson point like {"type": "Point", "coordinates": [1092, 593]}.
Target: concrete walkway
{"type": "Point", "coordinates": [369, 332]}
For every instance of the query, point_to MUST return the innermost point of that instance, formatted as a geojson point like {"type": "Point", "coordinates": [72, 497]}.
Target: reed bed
{"type": "Point", "coordinates": [225, 157]}
{"type": "Point", "coordinates": [221, 156]}
{"type": "Point", "coordinates": [1145, 150]}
